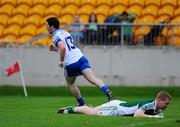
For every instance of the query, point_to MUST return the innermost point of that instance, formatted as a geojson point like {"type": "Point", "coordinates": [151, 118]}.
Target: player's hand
{"type": "Point", "coordinates": [61, 64]}
{"type": "Point", "coordinates": [160, 115]}
{"type": "Point", "coordinates": [157, 116]}
{"type": "Point", "coordinates": [52, 48]}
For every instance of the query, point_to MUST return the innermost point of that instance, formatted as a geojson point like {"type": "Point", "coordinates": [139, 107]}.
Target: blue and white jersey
{"type": "Point", "coordinates": [73, 53]}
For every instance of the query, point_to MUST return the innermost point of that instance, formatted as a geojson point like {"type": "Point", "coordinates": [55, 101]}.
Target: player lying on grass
{"type": "Point", "coordinates": [145, 108]}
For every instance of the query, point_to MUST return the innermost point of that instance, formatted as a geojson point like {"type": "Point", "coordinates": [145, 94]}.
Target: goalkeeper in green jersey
{"type": "Point", "coordinates": [145, 108]}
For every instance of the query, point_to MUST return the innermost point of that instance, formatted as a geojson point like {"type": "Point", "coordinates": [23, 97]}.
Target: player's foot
{"type": "Point", "coordinates": [110, 96]}
{"type": "Point", "coordinates": [66, 110]}
{"type": "Point", "coordinates": [63, 110]}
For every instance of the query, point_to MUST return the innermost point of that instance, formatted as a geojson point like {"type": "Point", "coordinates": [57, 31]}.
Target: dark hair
{"type": "Point", "coordinates": [92, 15]}
{"type": "Point", "coordinates": [124, 13]}
{"type": "Point", "coordinates": [53, 21]}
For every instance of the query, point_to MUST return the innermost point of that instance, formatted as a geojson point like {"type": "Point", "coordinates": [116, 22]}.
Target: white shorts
{"type": "Point", "coordinates": [110, 108]}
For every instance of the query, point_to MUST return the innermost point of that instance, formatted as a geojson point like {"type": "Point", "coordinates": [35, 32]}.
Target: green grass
{"type": "Point", "coordinates": [39, 110]}
{"type": "Point", "coordinates": [86, 91]}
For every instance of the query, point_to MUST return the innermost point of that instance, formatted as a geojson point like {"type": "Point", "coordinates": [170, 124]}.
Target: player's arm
{"type": "Point", "coordinates": [140, 113]}
{"type": "Point", "coordinates": [62, 53]}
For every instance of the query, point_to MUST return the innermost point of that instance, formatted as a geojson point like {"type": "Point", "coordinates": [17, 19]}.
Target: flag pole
{"type": "Point", "coordinates": [22, 79]}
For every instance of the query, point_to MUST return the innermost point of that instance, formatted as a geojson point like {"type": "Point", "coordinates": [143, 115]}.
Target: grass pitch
{"type": "Point", "coordinates": [40, 111]}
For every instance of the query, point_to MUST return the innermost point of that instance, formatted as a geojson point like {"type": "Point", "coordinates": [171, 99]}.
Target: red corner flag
{"type": "Point", "coordinates": [13, 69]}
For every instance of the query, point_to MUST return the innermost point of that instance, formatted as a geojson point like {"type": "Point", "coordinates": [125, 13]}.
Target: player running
{"type": "Point", "coordinates": [72, 60]}
{"type": "Point", "coordinates": [145, 108]}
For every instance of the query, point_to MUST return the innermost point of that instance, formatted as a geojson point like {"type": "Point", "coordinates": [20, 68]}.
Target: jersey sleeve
{"type": "Point", "coordinates": [146, 105]}
{"type": "Point", "coordinates": [143, 108]}
{"type": "Point", "coordinates": [56, 39]}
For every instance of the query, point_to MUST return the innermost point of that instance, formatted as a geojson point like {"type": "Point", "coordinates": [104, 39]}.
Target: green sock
{"type": "Point", "coordinates": [71, 110]}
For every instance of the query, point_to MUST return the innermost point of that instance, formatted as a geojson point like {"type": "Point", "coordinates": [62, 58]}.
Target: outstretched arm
{"type": "Point", "coordinates": [140, 113]}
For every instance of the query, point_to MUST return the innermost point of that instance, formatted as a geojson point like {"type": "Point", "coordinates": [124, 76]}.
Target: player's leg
{"type": "Point", "coordinates": [81, 109]}
{"type": "Point", "coordinates": [75, 90]}
{"type": "Point", "coordinates": [89, 75]}
{"type": "Point", "coordinates": [86, 110]}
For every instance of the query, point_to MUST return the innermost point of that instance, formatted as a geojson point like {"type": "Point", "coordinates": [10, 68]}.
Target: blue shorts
{"type": "Point", "coordinates": [76, 68]}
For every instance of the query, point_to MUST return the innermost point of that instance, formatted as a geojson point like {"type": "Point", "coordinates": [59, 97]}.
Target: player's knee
{"type": "Point", "coordinates": [93, 112]}
{"type": "Point", "coordinates": [72, 85]}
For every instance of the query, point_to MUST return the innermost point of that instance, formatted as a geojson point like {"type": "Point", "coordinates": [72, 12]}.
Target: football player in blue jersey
{"type": "Point", "coordinates": [72, 60]}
